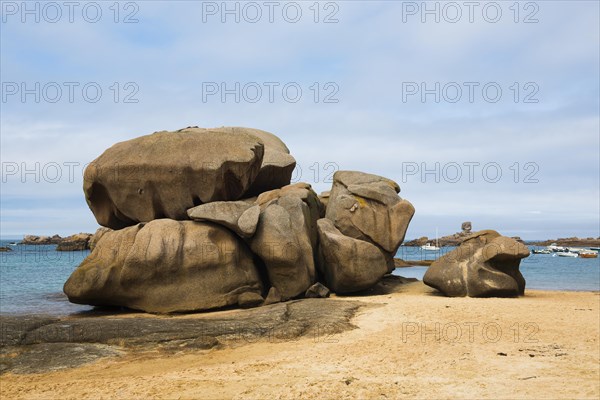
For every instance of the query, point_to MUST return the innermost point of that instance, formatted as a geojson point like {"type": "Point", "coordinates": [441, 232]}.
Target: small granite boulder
{"type": "Point", "coordinates": [367, 207]}
{"type": "Point", "coordinates": [466, 227]}
{"type": "Point", "coordinates": [348, 264]}
{"type": "Point", "coordinates": [485, 264]}
{"type": "Point", "coordinates": [167, 266]}
{"type": "Point", "coordinates": [318, 290]}
{"type": "Point", "coordinates": [239, 216]}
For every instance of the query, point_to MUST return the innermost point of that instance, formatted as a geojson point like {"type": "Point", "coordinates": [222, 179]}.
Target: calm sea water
{"type": "Point", "coordinates": [32, 277]}
{"type": "Point", "coordinates": [541, 271]}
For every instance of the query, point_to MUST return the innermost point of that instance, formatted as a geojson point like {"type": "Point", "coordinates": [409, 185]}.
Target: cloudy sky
{"type": "Point", "coordinates": [485, 111]}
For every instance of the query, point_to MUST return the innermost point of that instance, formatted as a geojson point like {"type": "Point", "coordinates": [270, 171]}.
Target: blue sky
{"type": "Point", "coordinates": [547, 151]}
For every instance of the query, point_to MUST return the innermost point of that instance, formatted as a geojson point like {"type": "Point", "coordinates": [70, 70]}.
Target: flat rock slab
{"type": "Point", "coordinates": [34, 344]}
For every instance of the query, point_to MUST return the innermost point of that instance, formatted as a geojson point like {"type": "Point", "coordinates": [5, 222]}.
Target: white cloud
{"type": "Point", "coordinates": [369, 53]}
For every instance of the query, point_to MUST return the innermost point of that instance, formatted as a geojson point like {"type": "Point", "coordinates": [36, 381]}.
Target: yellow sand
{"type": "Point", "coordinates": [550, 341]}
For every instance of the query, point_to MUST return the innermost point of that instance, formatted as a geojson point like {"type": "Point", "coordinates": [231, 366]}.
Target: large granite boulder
{"type": "Point", "coordinates": [163, 174]}
{"type": "Point", "coordinates": [367, 207]}
{"type": "Point", "coordinates": [486, 264]}
{"type": "Point", "coordinates": [277, 164]}
{"type": "Point", "coordinates": [167, 266]}
{"type": "Point", "coordinates": [286, 237]}
{"type": "Point", "coordinates": [348, 264]}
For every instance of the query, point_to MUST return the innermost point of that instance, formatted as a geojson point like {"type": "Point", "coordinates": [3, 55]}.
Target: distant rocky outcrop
{"type": "Point", "coordinates": [450, 240]}
{"type": "Point", "coordinates": [570, 242]}
{"type": "Point", "coordinates": [40, 240]}
{"type": "Point", "coordinates": [486, 264]}
{"type": "Point", "coordinates": [75, 242]}
{"type": "Point", "coordinates": [79, 241]}
{"type": "Point", "coordinates": [4, 249]}
{"type": "Point", "coordinates": [207, 218]}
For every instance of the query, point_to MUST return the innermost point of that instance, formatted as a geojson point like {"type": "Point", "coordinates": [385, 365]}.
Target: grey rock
{"type": "Point", "coordinates": [273, 296]}
{"type": "Point", "coordinates": [248, 221]}
{"type": "Point", "coordinates": [166, 173]}
{"type": "Point", "coordinates": [348, 264]}
{"type": "Point", "coordinates": [238, 216]}
{"type": "Point", "coordinates": [318, 290]}
{"type": "Point", "coordinates": [97, 235]}
{"type": "Point", "coordinates": [286, 237]}
{"type": "Point", "coordinates": [277, 165]}
{"type": "Point", "coordinates": [367, 207]}
{"type": "Point", "coordinates": [249, 300]}
{"type": "Point", "coordinates": [166, 266]}
{"type": "Point", "coordinates": [486, 264]}
{"type": "Point", "coordinates": [32, 344]}
{"type": "Point", "coordinates": [466, 227]}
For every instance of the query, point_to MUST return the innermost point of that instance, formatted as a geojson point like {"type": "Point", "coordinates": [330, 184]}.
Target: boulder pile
{"type": "Point", "coordinates": [200, 219]}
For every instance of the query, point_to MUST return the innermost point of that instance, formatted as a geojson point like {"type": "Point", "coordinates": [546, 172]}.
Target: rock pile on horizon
{"type": "Point", "coordinates": [206, 218]}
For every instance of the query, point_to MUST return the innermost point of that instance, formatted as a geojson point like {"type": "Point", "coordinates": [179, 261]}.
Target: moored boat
{"type": "Point", "coordinates": [588, 254]}
{"type": "Point", "coordinates": [541, 251]}
{"type": "Point", "coordinates": [566, 254]}
{"type": "Point", "coordinates": [553, 247]}
{"type": "Point", "coordinates": [429, 247]}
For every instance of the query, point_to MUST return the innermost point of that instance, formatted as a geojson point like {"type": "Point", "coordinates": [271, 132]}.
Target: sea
{"type": "Point", "coordinates": [32, 277]}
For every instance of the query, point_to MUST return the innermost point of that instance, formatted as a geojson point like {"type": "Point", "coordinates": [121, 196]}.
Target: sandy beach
{"type": "Point", "coordinates": [409, 344]}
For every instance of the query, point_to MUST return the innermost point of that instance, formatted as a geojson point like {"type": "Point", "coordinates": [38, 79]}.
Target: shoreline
{"type": "Point", "coordinates": [91, 312]}
{"type": "Point", "coordinates": [403, 343]}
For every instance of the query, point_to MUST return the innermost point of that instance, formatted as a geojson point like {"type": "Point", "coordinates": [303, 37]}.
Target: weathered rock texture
{"type": "Point", "coordinates": [199, 219]}
{"type": "Point", "coordinates": [33, 344]}
{"type": "Point", "coordinates": [367, 207]}
{"type": "Point", "coordinates": [166, 266]}
{"type": "Point", "coordinates": [239, 216]}
{"type": "Point", "coordinates": [348, 264]}
{"type": "Point", "coordinates": [486, 264]}
{"type": "Point", "coordinates": [286, 237]}
{"type": "Point", "coordinates": [163, 174]}
{"type": "Point", "coordinates": [277, 164]}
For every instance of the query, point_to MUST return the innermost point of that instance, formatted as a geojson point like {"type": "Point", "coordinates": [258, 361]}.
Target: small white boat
{"type": "Point", "coordinates": [541, 251]}
{"type": "Point", "coordinates": [429, 247]}
{"type": "Point", "coordinates": [566, 254]}
{"type": "Point", "coordinates": [553, 247]}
